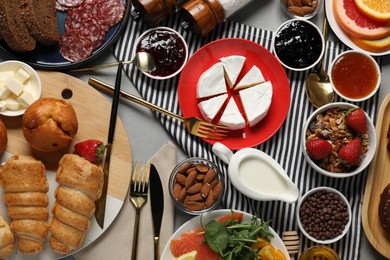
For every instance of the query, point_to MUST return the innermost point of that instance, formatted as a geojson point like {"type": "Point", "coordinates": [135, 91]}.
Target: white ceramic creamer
{"type": "Point", "coordinates": [257, 175]}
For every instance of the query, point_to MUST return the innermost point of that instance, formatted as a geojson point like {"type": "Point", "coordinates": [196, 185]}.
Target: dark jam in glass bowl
{"type": "Point", "coordinates": [298, 44]}
{"type": "Point", "coordinates": [167, 48]}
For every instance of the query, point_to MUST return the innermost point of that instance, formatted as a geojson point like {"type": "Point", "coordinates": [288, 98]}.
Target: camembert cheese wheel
{"type": "Point", "coordinates": [211, 82]}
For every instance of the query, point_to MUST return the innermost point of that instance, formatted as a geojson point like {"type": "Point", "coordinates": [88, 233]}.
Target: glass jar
{"type": "Point", "coordinates": [319, 252]}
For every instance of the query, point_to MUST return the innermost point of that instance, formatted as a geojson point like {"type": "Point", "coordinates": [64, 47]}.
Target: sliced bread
{"type": "Point", "coordinates": [41, 20]}
{"type": "Point", "coordinates": [12, 27]}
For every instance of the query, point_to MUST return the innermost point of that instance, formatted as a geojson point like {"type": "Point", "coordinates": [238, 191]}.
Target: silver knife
{"type": "Point", "coordinates": [101, 202]}
{"type": "Point", "coordinates": [157, 200]}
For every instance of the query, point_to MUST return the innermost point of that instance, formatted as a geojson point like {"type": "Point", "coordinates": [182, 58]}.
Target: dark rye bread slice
{"type": "Point", "coordinates": [12, 27]}
{"type": "Point", "coordinates": [41, 20]}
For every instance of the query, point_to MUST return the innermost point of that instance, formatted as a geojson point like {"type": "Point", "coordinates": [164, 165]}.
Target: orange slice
{"type": "Point", "coordinates": [376, 9]}
{"type": "Point", "coordinates": [379, 45]}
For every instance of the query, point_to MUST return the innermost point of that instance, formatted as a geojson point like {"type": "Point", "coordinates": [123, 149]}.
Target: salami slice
{"type": "Point", "coordinates": [109, 11]}
{"type": "Point", "coordinates": [75, 15]}
{"type": "Point", "coordinates": [70, 3]}
{"type": "Point", "coordinates": [75, 45]}
{"type": "Point", "coordinates": [94, 29]}
{"type": "Point", "coordinates": [61, 8]}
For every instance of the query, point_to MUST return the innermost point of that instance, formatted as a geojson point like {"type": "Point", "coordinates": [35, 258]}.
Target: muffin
{"type": "Point", "coordinates": [3, 137]}
{"type": "Point", "coordinates": [49, 124]}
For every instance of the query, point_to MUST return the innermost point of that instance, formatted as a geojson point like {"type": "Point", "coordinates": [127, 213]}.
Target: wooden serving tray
{"type": "Point", "coordinates": [377, 179]}
{"type": "Point", "coordinates": [93, 114]}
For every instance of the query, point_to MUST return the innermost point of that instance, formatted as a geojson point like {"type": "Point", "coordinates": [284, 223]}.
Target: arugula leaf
{"type": "Point", "coordinates": [216, 236]}
{"type": "Point", "coordinates": [233, 240]}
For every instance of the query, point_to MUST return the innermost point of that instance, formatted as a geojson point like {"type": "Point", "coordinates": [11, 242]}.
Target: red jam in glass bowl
{"type": "Point", "coordinates": [355, 76]}
{"type": "Point", "coordinates": [168, 49]}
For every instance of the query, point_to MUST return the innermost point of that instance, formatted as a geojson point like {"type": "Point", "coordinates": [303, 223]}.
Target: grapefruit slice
{"type": "Point", "coordinates": [375, 9]}
{"type": "Point", "coordinates": [355, 23]}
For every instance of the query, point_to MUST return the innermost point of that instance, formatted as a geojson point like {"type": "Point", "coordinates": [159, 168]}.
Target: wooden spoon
{"type": "Point", "coordinates": [291, 241]}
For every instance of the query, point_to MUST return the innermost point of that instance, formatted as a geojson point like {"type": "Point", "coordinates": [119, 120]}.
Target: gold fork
{"type": "Point", "coordinates": [194, 125]}
{"type": "Point", "coordinates": [138, 195]}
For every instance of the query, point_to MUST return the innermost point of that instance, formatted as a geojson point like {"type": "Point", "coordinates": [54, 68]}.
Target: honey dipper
{"type": "Point", "coordinates": [291, 241]}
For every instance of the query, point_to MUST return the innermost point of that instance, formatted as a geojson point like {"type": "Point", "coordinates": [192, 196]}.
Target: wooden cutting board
{"type": "Point", "coordinates": [93, 114]}
{"type": "Point", "coordinates": [377, 179]}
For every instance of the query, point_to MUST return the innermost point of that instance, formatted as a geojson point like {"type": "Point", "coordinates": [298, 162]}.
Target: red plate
{"type": "Point", "coordinates": [255, 54]}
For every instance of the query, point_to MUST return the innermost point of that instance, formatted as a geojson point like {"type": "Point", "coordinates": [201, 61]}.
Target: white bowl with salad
{"type": "Point", "coordinates": [204, 220]}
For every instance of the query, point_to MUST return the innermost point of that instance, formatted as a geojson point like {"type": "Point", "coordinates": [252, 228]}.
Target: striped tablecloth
{"type": "Point", "coordinates": [284, 146]}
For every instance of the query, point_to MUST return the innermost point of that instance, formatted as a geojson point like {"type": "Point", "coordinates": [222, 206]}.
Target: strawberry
{"type": "Point", "coordinates": [356, 119]}
{"type": "Point", "coordinates": [318, 148]}
{"type": "Point", "coordinates": [350, 153]}
{"type": "Point", "coordinates": [92, 150]}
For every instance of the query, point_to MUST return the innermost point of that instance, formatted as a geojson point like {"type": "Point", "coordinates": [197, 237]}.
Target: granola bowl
{"type": "Point", "coordinates": [328, 122]}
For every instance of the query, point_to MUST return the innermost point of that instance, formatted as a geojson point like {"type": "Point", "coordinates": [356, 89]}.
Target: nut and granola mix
{"type": "Point", "coordinates": [330, 125]}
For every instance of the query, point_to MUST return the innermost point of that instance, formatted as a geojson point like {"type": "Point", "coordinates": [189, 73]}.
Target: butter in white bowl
{"type": "Point", "coordinates": [20, 86]}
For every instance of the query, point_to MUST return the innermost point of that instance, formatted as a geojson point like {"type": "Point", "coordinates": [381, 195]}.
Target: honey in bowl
{"type": "Point", "coordinates": [319, 252]}
{"type": "Point", "coordinates": [355, 76]}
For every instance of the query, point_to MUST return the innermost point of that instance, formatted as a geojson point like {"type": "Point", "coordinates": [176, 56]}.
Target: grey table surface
{"type": "Point", "coordinates": [265, 14]}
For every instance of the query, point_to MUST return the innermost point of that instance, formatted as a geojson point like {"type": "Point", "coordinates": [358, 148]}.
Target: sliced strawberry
{"type": "Point", "coordinates": [351, 152]}
{"type": "Point", "coordinates": [318, 148]}
{"type": "Point", "coordinates": [356, 119]}
{"type": "Point", "coordinates": [92, 150]}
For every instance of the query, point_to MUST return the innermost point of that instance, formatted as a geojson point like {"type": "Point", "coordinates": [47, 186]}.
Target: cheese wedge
{"type": "Point", "coordinates": [251, 78]}
{"type": "Point", "coordinates": [233, 66]}
{"type": "Point", "coordinates": [209, 108]}
{"type": "Point", "coordinates": [211, 82]}
{"type": "Point", "coordinates": [232, 117]}
{"type": "Point", "coordinates": [256, 102]}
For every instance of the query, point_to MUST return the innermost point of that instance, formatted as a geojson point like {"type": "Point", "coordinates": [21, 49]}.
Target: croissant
{"type": "Point", "coordinates": [80, 185]}
{"type": "Point", "coordinates": [25, 193]}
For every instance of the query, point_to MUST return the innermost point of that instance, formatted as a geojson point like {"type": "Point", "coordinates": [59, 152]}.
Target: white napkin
{"type": "Point", "coordinates": [116, 242]}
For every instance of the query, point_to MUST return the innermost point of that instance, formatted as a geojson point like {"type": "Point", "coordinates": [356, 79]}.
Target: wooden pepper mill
{"type": "Point", "coordinates": [153, 11]}
{"type": "Point", "coordinates": [202, 16]}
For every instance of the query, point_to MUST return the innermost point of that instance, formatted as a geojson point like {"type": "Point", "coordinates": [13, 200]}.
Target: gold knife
{"type": "Point", "coordinates": [101, 202]}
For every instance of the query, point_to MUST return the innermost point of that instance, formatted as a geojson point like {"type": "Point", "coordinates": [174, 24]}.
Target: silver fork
{"type": "Point", "coordinates": [138, 195]}
{"type": "Point", "coordinates": [193, 125]}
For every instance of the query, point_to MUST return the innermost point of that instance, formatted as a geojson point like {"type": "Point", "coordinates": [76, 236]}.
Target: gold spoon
{"type": "Point", "coordinates": [291, 241]}
{"type": "Point", "coordinates": [318, 87]}
{"type": "Point", "coordinates": [143, 60]}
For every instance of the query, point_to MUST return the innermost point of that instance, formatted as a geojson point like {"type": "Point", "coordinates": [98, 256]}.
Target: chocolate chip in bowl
{"type": "Point", "coordinates": [351, 151]}
{"type": "Point", "coordinates": [196, 186]}
{"type": "Point", "coordinates": [168, 49]}
{"type": "Point", "coordinates": [324, 215]}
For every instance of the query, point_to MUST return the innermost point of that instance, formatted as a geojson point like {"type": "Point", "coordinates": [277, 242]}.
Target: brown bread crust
{"type": "Point", "coordinates": [41, 20]}
{"type": "Point", "coordinates": [12, 27]}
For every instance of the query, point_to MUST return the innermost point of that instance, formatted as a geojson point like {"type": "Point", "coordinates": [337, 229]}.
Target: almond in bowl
{"type": "Point", "coordinates": [196, 186]}
{"type": "Point", "coordinates": [20, 86]}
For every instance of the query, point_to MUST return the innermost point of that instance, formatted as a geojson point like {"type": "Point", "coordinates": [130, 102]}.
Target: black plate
{"type": "Point", "coordinates": [49, 58]}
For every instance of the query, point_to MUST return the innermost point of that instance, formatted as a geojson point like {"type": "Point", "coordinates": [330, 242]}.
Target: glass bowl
{"type": "Point", "coordinates": [308, 10]}
{"type": "Point", "coordinates": [196, 186]}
